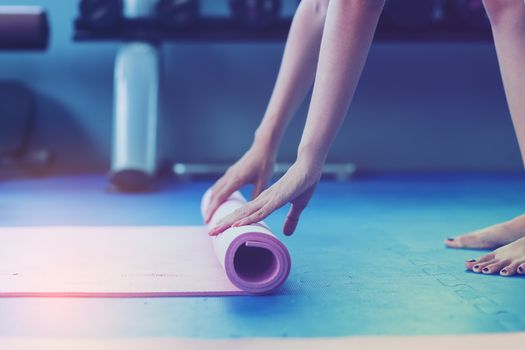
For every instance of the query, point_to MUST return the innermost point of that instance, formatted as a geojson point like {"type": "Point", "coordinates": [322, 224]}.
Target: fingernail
{"type": "Point", "coordinates": [520, 269]}
{"type": "Point", "coordinates": [485, 269]}
{"type": "Point", "coordinates": [450, 239]}
{"type": "Point", "coordinates": [214, 231]}
{"type": "Point", "coordinates": [504, 271]}
{"type": "Point", "coordinates": [476, 267]}
{"type": "Point", "coordinates": [472, 260]}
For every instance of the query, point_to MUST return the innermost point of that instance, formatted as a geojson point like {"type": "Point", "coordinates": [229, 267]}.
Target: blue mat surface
{"type": "Point", "coordinates": [368, 259]}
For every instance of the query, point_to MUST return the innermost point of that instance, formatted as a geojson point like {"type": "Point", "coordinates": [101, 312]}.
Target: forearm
{"type": "Point", "coordinates": [348, 34]}
{"type": "Point", "coordinates": [296, 73]}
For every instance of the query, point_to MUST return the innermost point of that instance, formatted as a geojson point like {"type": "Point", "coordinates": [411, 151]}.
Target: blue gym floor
{"type": "Point", "coordinates": [368, 259]}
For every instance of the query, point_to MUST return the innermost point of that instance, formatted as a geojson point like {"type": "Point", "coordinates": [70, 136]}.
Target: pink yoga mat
{"type": "Point", "coordinates": [254, 259]}
{"type": "Point", "coordinates": [141, 261]}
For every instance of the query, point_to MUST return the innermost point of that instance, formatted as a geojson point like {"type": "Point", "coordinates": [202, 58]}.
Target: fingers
{"type": "Point", "coordinates": [256, 216]}
{"type": "Point", "coordinates": [298, 205]}
{"type": "Point", "coordinates": [292, 219]}
{"type": "Point", "coordinates": [220, 193]}
{"type": "Point", "coordinates": [215, 190]}
{"type": "Point", "coordinates": [293, 187]}
{"type": "Point", "coordinates": [234, 218]}
{"type": "Point", "coordinates": [217, 198]}
{"type": "Point", "coordinates": [252, 212]}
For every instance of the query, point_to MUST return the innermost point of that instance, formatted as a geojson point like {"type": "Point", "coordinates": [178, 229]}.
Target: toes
{"type": "Point", "coordinates": [494, 267]}
{"type": "Point", "coordinates": [453, 242]}
{"type": "Point", "coordinates": [474, 264]}
{"type": "Point", "coordinates": [471, 240]}
{"type": "Point", "coordinates": [469, 264]}
{"type": "Point", "coordinates": [464, 241]}
{"type": "Point", "coordinates": [481, 265]}
{"type": "Point", "coordinates": [486, 258]}
{"type": "Point", "coordinates": [521, 269]}
{"type": "Point", "coordinates": [510, 269]}
{"type": "Point", "coordinates": [489, 237]}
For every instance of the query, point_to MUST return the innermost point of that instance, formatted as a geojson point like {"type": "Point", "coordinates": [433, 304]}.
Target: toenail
{"type": "Point", "coordinates": [520, 269]}
{"type": "Point", "coordinates": [471, 260]}
{"type": "Point", "coordinates": [476, 266]}
{"type": "Point", "coordinates": [486, 269]}
{"type": "Point", "coordinates": [450, 239]}
{"type": "Point", "coordinates": [504, 271]}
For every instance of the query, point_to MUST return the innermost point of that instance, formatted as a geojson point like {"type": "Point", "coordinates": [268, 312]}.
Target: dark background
{"type": "Point", "coordinates": [421, 106]}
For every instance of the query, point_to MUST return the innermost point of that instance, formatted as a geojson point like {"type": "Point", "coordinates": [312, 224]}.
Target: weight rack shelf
{"type": "Point", "coordinates": [225, 29]}
{"type": "Point", "coordinates": [205, 29]}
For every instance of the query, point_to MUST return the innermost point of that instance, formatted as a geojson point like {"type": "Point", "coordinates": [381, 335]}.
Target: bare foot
{"type": "Point", "coordinates": [507, 261]}
{"type": "Point", "coordinates": [491, 237]}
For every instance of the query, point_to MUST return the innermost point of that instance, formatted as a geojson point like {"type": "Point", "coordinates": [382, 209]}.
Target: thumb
{"type": "Point", "coordinates": [292, 219]}
{"type": "Point", "coordinates": [298, 205]}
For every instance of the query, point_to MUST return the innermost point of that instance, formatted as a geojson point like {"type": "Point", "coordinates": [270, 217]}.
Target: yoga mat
{"type": "Point", "coordinates": [141, 261]}
{"type": "Point", "coordinates": [507, 341]}
{"type": "Point", "coordinates": [253, 258]}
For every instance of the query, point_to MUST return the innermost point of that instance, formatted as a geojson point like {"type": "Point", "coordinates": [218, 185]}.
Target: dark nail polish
{"type": "Point", "coordinates": [472, 260]}
{"type": "Point", "coordinates": [504, 271]}
{"type": "Point", "coordinates": [520, 269]}
{"type": "Point", "coordinates": [476, 267]}
{"type": "Point", "coordinates": [450, 239]}
{"type": "Point", "coordinates": [486, 269]}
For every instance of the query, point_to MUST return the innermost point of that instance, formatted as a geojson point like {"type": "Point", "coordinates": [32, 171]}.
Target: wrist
{"type": "Point", "coordinates": [266, 141]}
{"type": "Point", "coordinates": [311, 154]}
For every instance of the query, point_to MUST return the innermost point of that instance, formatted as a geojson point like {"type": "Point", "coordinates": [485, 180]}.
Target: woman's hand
{"type": "Point", "coordinates": [295, 187]}
{"type": "Point", "coordinates": [346, 38]}
{"type": "Point", "coordinates": [294, 81]}
{"type": "Point", "coordinates": [255, 167]}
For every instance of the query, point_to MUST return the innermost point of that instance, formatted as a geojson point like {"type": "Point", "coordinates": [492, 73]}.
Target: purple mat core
{"type": "Point", "coordinates": [254, 259]}
{"type": "Point", "coordinates": [257, 263]}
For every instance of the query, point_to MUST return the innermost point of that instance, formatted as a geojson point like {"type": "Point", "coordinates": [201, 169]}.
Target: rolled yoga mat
{"type": "Point", "coordinates": [149, 261]}
{"type": "Point", "coordinates": [253, 258]}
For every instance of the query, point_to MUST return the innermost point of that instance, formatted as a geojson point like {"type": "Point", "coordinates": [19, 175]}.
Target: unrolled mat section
{"type": "Point", "coordinates": [88, 261]}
